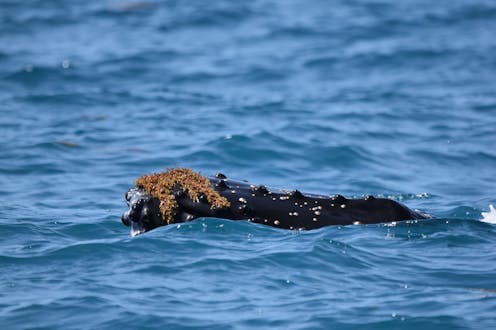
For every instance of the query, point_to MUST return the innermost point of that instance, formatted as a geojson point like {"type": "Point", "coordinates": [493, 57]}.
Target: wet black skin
{"type": "Point", "coordinates": [282, 209]}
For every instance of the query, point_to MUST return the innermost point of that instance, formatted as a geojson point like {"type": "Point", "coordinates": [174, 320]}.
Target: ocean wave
{"type": "Point", "coordinates": [361, 97]}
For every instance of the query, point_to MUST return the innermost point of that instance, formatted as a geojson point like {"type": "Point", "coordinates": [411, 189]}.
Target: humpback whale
{"type": "Point", "coordinates": [181, 195]}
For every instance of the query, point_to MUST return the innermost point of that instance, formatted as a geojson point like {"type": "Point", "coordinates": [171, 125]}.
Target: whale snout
{"type": "Point", "coordinates": [125, 219]}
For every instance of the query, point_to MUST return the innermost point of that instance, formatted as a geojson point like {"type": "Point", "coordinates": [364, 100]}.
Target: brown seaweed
{"type": "Point", "coordinates": [166, 185]}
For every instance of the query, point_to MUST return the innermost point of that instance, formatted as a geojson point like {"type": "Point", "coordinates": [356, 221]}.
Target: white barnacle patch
{"type": "Point", "coordinates": [276, 222]}
{"type": "Point", "coordinates": [314, 219]}
{"type": "Point", "coordinates": [305, 203]}
{"type": "Point", "coordinates": [233, 191]}
{"type": "Point", "coordinates": [332, 204]}
{"type": "Point", "coordinates": [357, 223]}
{"type": "Point", "coordinates": [293, 214]}
{"type": "Point", "coordinates": [273, 198]}
{"type": "Point", "coordinates": [242, 200]}
{"type": "Point", "coordinates": [317, 212]}
{"type": "Point", "coordinates": [343, 206]}
{"type": "Point", "coordinates": [265, 220]}
{"type": "Point", "coordinates": [283, 198]}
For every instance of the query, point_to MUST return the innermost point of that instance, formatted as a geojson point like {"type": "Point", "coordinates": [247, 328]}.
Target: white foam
{"type": "Point", "coordinates": [489, 217]}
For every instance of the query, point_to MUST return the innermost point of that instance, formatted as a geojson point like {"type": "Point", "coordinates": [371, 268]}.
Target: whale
{"type": "Point", "coordinates": [285, 209]}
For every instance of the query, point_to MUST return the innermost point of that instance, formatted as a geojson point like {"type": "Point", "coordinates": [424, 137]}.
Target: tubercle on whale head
{"type": "Point", "coordinates": [296, 194]}
{"type": "Point", "coordinates": [260, 190]}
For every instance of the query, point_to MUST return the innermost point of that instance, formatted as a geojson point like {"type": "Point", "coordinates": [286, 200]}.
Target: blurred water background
{"type": "Point", "coordinates": [391, 98]}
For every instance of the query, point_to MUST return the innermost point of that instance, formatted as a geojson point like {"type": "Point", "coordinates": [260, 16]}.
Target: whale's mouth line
{"type": "Point", "coordinates": [137, 229]}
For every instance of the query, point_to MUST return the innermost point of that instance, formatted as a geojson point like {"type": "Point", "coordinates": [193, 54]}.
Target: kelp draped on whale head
{"type": "Point", "coordinates": [180, 195]}
{"type": "Point", "coordinates": [174, 182]}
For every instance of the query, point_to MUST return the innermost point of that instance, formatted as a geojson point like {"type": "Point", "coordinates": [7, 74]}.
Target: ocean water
{"type": "Point", "coordinates": [391, 98]}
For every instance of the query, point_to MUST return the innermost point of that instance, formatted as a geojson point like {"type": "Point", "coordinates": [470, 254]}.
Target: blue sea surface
{"type": "Point", "coordinates": [390, 98]}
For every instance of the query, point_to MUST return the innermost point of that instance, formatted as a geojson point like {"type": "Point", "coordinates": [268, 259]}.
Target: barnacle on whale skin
{"type": "Point", "coordinates": [162, 186]}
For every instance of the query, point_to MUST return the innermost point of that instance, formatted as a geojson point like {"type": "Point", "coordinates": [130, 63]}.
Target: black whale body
{"type": "Point", "coordinates": [282, 209]}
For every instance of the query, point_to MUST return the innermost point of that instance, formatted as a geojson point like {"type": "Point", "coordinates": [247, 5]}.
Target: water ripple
{"type": "Point", "coordinates": [361, 97]}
